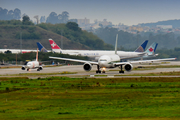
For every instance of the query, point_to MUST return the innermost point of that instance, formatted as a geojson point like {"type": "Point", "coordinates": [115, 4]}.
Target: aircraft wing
{"type": "Point", "coordinates": [144, 61]}
{"type": "Point", "coordinates": [75, 60]}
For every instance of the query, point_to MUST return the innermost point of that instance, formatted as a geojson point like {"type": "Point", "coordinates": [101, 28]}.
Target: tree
{"type": "Point", "coordinates": [42, 19]}
{"type": "Point", "coordinates": [52, 18]}
{"type": "Point", "coordinates": [73, 26]}
{"type": "Point", "coordinates": [17, 14]}
{"type": "Point", "coordinates": [26, 20]}
{"type": "Point", "coordinates": [65, 16]}
{"type": "Point", "coordinates": [9, 15]}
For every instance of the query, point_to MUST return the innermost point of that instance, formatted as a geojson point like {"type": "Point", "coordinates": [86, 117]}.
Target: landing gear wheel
{"type": "Point", "coordinates": [27, 69]}
{"type": "Point", "coordinates": [121, 71]}
{"type": "Point", "coordinates": [103, 72]}
{"type": "Point", "coordinates": [38, 69]}
{"type": "Point", "coordinates": [98, 69]}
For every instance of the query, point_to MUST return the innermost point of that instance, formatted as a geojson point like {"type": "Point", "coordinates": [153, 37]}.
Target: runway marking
{"type": "Point", "coordinates": [110, 76]}
{"type": "Point", "coordinates": [91, 75]}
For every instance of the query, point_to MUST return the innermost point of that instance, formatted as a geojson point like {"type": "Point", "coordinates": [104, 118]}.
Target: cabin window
{"type": "Point", "coordinates": [103, 60]}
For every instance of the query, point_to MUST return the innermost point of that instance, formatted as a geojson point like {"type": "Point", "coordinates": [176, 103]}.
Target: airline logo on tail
{"type": "Point", "coordinates": [41, 47]}
{"type": "Point", "coordinates": [151, 50]}
{"type": "Point", "coordinates": [142, 47]}
{"type": "Point", "coordinates": [53, 44]}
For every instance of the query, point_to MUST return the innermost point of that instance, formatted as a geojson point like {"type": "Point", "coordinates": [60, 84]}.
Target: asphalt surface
{"type": "Point", "coordinates": [80, 71]}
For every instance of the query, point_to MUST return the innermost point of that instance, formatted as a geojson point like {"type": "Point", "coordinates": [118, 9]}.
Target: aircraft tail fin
{"type": "Point", "coordinates": [41, 47]}
{"type": "Point", "coordinates": [37, 55]}
{"type": "Point", "coordinates": [116, 44]}
{"type": "Point", "coordinates": [151, 49]}
{"type": "Point", "coordinates": [54, 45]}
{"type": "Point", "coordinates": [142, 47]}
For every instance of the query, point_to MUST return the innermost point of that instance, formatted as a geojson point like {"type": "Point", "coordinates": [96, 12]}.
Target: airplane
{"type": "Point", "coordinates": [32, 64]}
{"type": "Point", "coordinates": [97, 53]}
{"type": "Point", "coordinates": [150, 52]}
{"type": "Point", "coordinates": [14, 51]}
{"type": "Point", "coordinates": [109, 61]}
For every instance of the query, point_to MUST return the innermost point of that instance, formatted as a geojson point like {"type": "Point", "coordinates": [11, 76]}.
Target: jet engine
{"type": "Point", "coordinates": [23, 68]}
{"type": "Point", "coordinates": [40, 68]}
{"type": "Point", "coordinates": [87, 66]}
{"type": "Point", "coordinates": [128, 67]}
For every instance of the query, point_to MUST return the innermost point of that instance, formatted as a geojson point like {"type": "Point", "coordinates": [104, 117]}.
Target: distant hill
{"type": "Point", "coordinates": [73, 37]}
{"type": "Point", "coordinates": [175, 23]}
{"type": "Point", "coordinates": [9, 37]}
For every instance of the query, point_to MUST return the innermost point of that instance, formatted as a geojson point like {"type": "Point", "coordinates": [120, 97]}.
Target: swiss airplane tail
{"type": "Point", "coordinates": [41, 47]}
{"type": "Point", "coordinates": [54, 45]}
{"type": "Point", "coordinates": [37, 55]}
{"type": "Point", "coordinates": [142, 47]}
{"type": "Point", "coordinates": [151, 50]}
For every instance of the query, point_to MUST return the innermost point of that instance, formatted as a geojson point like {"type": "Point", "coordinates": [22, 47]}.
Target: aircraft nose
{"type": "Point", "coordinates": [28, 65]}
{"type": "Point", "coordinates": [102, 64]}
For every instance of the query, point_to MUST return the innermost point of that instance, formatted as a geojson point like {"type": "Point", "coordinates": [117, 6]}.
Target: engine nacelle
{"type": "Point", "coordinates": [128, 67]}
{"type": "Point", "coordinates": [40, 68]}
{"type": "Point", "coordinates": [23, 68]}
{"type": "Point", "coordinates": [87, 66]}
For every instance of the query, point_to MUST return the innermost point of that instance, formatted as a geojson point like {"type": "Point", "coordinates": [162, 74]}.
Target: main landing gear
{"type": "Point", "coordinates": [121, 71]}
{"type": "Point", "coordinates": [98, 71]}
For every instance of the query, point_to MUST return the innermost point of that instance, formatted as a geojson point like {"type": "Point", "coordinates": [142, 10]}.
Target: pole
{"type": "Point", "coordinates": [61, 39]}
{"type": "Point", "coordinates": [20, 42]}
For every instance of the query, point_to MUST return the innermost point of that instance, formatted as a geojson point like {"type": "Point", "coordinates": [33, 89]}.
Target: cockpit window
{"type": "Point", "coordinates": [103, 60]}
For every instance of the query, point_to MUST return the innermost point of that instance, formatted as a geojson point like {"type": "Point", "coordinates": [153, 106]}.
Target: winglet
{"type": "Point", "coordinates": [37, 55]}
{"type": "Point", "coordinates": [116, 44]}
{"type": "Point", "coordinates": [41, 47]}
{"type": "Point", "coordinates": [53, 44]}
{"type": "Point", "coordinates": [142, 47]}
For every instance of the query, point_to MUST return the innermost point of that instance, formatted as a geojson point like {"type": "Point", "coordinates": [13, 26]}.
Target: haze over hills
{"type": "Point", "coordinates": [9, 38]}
{"type": "Point", "coordinates": [74, 37]}
{"type": "Point", "coordinates": [78, 39]}
{"type": "Point", "coordinates": [175, 23]}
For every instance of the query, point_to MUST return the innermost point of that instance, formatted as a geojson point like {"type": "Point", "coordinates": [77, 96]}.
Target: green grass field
{"type": "Point", "coordinates": [90, 98]}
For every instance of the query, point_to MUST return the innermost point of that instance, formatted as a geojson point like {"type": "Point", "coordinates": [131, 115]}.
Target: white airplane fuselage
{"type": "Point", "coordinates": [14, 51]}
{"type": "Point", "coordinates": [106, 61]}
{"type": "Point", "coordinates": [32, 65]}
{"type": "Point", "coordinates": [96, 53]}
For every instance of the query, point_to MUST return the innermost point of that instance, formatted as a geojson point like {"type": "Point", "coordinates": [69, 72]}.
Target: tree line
{"type": "Point", "coordinates": [129, 41]}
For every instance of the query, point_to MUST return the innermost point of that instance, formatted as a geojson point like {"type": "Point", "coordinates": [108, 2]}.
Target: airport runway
{"type": "Point", "coordinates": [80, 71]}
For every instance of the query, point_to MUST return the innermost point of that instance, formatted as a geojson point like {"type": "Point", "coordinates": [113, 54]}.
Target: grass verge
{"type": "Point", "coordinates": [89, 98]}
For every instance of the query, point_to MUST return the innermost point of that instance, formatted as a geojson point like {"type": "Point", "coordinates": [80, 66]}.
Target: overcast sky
{"type": "Point", "coordinates": [128, 12]}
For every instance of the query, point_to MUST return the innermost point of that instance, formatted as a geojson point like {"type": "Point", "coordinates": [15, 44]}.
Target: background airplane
{"type": "Point", "coordinates": [97, 53]}
{"type": "Point", "coordinates": [14, 51]}
{"type": "Point", "coordinates": [32, 64]}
